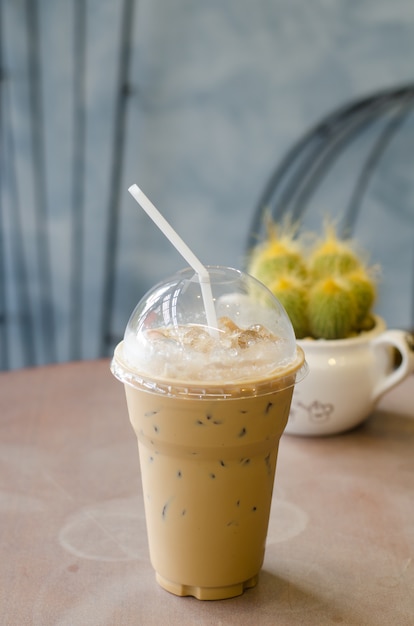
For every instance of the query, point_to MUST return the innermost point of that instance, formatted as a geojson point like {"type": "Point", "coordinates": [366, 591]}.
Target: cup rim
{"type": "Point", "coordinates": [127, 374]}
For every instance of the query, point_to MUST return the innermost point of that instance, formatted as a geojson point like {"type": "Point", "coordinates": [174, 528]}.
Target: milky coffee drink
{"type": "Point", "coordinates": [208, 407]}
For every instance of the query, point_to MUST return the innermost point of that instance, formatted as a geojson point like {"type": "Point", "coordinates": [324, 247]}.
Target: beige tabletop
{"type": "Point", "coordinates": [73, 545]}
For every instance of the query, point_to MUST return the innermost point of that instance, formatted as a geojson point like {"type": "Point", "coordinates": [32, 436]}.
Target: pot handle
{"type": "Point", "coordinates": [404, 342]}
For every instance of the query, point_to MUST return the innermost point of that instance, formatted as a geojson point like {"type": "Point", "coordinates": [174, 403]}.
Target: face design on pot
{"type": "Point", "coordinates": [316, 412]}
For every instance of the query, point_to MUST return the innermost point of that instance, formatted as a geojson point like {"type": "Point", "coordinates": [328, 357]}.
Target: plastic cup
{"type": "Point", "coordinates": [208, 412]}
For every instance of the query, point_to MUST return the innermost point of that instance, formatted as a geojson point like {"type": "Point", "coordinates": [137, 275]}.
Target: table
{"type": "Point", "coordinates": [73, 546]}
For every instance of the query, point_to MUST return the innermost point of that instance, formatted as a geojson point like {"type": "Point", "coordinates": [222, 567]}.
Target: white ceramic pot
{"type": "Point", "coordinates": [346, 379]}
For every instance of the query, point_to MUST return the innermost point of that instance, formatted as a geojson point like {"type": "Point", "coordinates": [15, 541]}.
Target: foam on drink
{"type": "Point", "coordinates": [191, 353]}
{"type": "Point", "coordinates": [168, 338]}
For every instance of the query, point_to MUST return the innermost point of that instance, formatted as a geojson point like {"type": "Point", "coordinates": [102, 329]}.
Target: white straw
{"type": "Point", "coordinates": [183, 249]}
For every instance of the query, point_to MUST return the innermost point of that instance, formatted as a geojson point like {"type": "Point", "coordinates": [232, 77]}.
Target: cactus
{"type": "Point", "coordinates": [332, 257]}
{"type": "Point", "coordinates": [291, 291]}
{"type": "Point", "coordinates": [327, 292]}
{"type": "Point", "coordinates": [280, 254]}
{"type": "Point", "coordinates": [332, 309]}
{"type": "Point", "coordinates": [363, 290]}
{"type": "Point", "coordinates": [272, 262]}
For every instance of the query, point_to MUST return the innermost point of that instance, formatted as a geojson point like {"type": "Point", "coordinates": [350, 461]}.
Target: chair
{"type": "Point", "coordinates": [57, 263]}
{"type": "Point", "coordinates": [356, 167]}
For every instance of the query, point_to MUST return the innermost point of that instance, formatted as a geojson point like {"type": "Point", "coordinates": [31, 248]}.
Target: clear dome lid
{"type": "Point", "coordinates": [169, 344]}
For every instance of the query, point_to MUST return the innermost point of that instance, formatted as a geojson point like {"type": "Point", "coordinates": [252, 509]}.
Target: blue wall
{"type": "Point", "coordinates": [217, 92]}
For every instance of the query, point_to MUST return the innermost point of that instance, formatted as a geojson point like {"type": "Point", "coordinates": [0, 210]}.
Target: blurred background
{"type": "Point", "coordinates": [194, 101]}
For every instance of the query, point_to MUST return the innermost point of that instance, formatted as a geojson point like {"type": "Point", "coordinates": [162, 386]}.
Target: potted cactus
{"type": "Point", "coordinates": [326, 288]}
{"type": "Point", "coordinates": [329, 293]}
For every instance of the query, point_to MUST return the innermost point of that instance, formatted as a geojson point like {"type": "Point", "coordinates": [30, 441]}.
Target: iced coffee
{"type": "Point", "coordinates": [208, 407]}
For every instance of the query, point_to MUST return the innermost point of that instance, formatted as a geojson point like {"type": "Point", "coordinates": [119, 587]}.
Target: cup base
{"type": "Point", "coordinates": [206, 593]}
